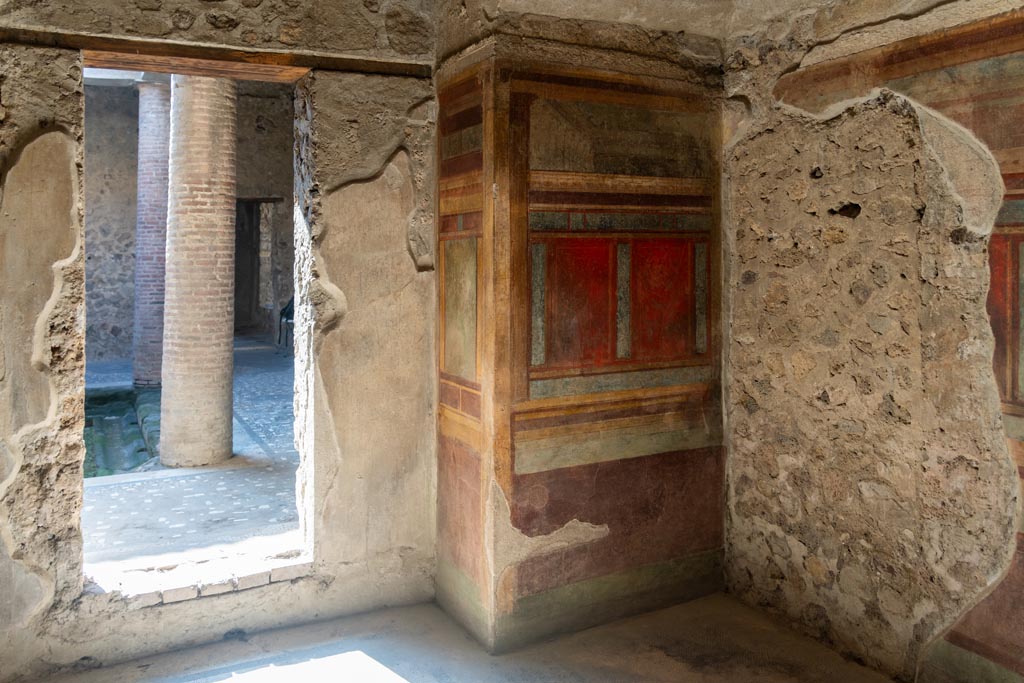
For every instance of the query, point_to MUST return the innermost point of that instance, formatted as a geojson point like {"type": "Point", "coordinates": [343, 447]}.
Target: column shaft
{"type": "Point", "coordinates": [150, 232]}
{"type": "Point", "coordinates": [196, 404]}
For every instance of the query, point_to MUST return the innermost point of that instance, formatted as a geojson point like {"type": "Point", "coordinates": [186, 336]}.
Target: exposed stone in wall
{"type": "Point", "coordinates": [462, 23]}
{"type": "Point", "coordinates": [370, 117]}
{"type": "Point", "coordinates": [347, 26]}
{"type": "Point", "coordinates": [409, 32]}
{"type": "Point", "coordinates": [111, 156]}
{"type": "Point", "coordinates": [753, 65]}
{"type": "Point", "coordinates": [871, 497]}
{"type": "Point", "coordinates": [41, 332]}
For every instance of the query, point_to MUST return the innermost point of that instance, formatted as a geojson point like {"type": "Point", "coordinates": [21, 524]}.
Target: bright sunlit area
{"type": "Point", "coordinates": [190, 469]}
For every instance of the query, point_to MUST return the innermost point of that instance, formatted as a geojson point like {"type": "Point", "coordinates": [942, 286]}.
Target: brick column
{"type": "Point", "coordinates": [150, 232]}
{"type": "Point", "coordinates": [195, 411]}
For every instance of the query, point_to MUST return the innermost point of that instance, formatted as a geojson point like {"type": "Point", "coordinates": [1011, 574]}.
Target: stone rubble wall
{"type": "Point", "coordinates": [870, 494]}
{"type": "Point", "coordinates": [399, 29]}
{"type": "Point", "coordinates": [111, 157]}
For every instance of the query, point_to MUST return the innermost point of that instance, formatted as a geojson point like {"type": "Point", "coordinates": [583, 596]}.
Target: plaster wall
{"type": "Point", "coordinates": [364, 348]}
{"type": "Point", "coordinates": [368, 497]}
{"type": "Point", "coordinates": [111, 157]}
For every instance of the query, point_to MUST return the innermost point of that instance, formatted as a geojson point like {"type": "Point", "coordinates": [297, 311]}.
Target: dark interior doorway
{"type": "Point", "coordinates": [247, 264]}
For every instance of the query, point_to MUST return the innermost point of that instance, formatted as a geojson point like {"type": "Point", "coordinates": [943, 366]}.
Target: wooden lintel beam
{"type": "Point", "coordinates": [242, 71]}
{"type": "Point", "coordinates": [200, 59]}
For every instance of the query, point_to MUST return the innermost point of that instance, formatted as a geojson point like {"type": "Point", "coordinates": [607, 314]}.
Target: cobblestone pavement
{"type": "Point", "coordinates": [175, 510]}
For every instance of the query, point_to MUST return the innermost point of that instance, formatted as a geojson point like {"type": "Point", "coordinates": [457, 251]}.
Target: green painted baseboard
{"type": "Point", "coordinates": [599, 600]}
{"type": "Point", "coordinates": [459, 597]}
{"type": "Point", "coordinates": [945, 662]}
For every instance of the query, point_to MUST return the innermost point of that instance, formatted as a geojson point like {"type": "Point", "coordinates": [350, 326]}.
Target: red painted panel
{"type": "Point", "coordinates": [459, 523]}
{"type": "Point", "coordinates": [449, 223]}
{"type": "Point", "coordinates": [1001, 299]}
{"type": "Point", "coordinates": [579, 299]}
{"type": "Point", "coordinates": [472, 222]}
{"type": "Point", "coordinates": [663, 299]}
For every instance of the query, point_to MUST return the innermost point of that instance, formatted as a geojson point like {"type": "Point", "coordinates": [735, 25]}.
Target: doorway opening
{"type": "Point", "coordinates": [190, 474]}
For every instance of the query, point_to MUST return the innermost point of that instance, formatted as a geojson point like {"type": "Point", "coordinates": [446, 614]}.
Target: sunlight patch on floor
{"type": "Point", "coordinates": [347, 666]}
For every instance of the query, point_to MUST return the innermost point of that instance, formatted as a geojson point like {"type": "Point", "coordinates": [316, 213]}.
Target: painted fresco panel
{"type": "Point", "coordinates": [598, 137]}
{"type": "Point", "coordinates": [620, 381]}
{"type": "Point", "coordinates": [1000, 300]}
{"type": "Point", "coordinates": [596, 303]}
{"type": "Point", "coordinates": [618, 221]}
{"type": "Point", "coordinates": [580, 317]}
{"type": "Point", "coordinates": [663, 299]}
{"type": "Point", "coordinates": [460, 308]}
{"type": "Point", "coordinates": [1011, 213]}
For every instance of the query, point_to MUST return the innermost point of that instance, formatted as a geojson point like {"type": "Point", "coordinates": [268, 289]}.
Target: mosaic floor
{"type": "Point", "coordinates": [167, 511]}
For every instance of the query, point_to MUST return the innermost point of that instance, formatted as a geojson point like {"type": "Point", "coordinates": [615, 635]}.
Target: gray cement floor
{"type": "Point", "coordinates": [711, 640]}
{"type": "Point", "coordinates": [170, 511]}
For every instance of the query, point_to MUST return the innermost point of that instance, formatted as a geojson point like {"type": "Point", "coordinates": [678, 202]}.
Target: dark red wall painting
{"type": "Point", "coordinates": [664, 311]}
{"type": "Point", "coordinates": [1003, 310]}
{"type": "Point", "coordinates": [620, 426]}
{"type": "Point", "coordinates": [579, 315]}
{"type": "Point", "coordinates": [580, 379]}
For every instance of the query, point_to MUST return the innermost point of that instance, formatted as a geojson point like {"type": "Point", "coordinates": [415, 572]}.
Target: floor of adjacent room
{"type": "Point", "coordinates": [166, 516]}
{"type": "Point", "coordinates": [710, 640]}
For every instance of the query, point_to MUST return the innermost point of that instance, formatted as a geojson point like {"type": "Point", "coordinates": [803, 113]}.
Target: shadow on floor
{"type": "Point", "coordinates": [710, 640]}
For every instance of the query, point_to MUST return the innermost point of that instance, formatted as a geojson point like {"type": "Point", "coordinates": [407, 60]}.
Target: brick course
{"type": "Point", "coordinates": [150, 232]}
{"type": "Point", "coordinates": [199, 304]}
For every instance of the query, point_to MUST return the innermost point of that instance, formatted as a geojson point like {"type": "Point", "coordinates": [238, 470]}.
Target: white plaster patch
{"type": "Point", "coordinates": [511, 546]}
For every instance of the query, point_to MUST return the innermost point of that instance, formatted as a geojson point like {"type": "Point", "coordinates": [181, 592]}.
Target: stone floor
{"type": "Point", "coordinates": [166, 513]}
{"type": "Point", "coordinates": [711, 640]}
